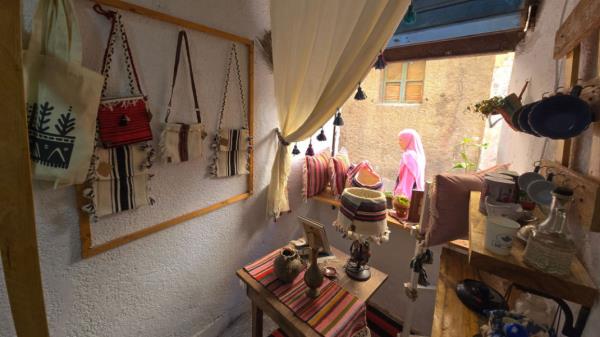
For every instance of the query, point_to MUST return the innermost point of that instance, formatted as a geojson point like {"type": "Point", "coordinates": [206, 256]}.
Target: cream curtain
{"type": "Point", "coordinates": [321, 50]}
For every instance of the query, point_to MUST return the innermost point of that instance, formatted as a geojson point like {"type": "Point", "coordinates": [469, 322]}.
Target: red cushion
{"type": "Point", "coordinates": [315, 174]}
{"type": "Point", "coordinates": [338, 169]}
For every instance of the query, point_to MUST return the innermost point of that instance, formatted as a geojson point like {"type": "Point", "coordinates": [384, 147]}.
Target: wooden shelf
{"type": "Point", "coordinates": [577, 287]}
{"type": "Point", "coordinates": [326, 197]}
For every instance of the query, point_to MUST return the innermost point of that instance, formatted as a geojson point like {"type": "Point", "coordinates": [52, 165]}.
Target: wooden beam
{"type": "Point", "coordinates": [88, 250]}
{"type": "Point", "coordinates": [474, 45]}
{"type": "Point", "coordinates": [582, 21]}
{"type": "Point", "coordinates": [18, 241]}
{"type": "Point", "coordinates": [583, 146]}
{"type": "Point", "coordinates": [173, 20]}
{"type": "Point", "coordinates": [570, 78]}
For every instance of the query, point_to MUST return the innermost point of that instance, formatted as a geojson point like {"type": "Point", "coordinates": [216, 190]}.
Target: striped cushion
{"type": "Point", "coordinates": [315, 174]}
{"type": "Point", "coordinates": [338, 167]}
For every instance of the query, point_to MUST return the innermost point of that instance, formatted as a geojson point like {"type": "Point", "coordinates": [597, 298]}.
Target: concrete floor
{"type": "Point", "coordinates": [242, 326]}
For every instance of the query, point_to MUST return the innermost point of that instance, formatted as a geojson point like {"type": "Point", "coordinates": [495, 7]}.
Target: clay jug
{"type": "Point", "coordinates": [287, 265]}
{"type": "Point", "coordinates": [313, 276]}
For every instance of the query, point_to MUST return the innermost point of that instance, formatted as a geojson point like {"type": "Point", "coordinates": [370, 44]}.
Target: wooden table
{"type": "Point", "coordinates": [264, 301]}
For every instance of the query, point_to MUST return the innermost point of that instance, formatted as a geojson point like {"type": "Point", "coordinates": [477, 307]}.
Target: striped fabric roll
{"type": "Point", "coordinates": [334, 313]}
{"type": "Point", "coordinates": [338, 167]}
{"type": "Point", "coordinates": [315, 174]}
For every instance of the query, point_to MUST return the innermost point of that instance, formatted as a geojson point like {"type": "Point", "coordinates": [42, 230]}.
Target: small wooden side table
{"type": "Point", "coordinates": [264, 301]}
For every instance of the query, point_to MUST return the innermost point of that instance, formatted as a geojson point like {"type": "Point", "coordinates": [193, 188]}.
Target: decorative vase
{"type": "Point", "coordinates": [287, 265]}
{"type": "Point", "coordinates": [313, 276]}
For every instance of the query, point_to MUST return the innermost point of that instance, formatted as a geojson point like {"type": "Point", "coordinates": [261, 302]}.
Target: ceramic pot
{"type": "Point", "coordinates": [401, 210]}
{"type": "Point", "coordinates": [287, 265]}
{"type": "Point", "coordinates": [313, 276]}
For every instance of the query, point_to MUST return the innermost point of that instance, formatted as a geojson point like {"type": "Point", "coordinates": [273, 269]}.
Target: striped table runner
{"type": "Point", "coordinates": [335, 313]}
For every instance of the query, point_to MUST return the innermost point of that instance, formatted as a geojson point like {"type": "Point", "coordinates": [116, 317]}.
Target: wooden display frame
{"type": "Point", "coordinates": [87, 248]}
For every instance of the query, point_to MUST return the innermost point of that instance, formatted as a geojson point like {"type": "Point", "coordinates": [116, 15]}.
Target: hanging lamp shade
{"type": "Point", "coordinates": [321, 136]}
{"type": "Point", "coordinates": [380, 62]}
{"type": "Point", "coordinates": [360, 94]}
{"type": "Point", "coordinates": [295, 150]}
{"type": "Point", "coordinates": [338, 120]}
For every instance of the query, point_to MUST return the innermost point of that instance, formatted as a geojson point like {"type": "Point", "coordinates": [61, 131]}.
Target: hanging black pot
{"type": "Point", "coordinates": [561, 116]}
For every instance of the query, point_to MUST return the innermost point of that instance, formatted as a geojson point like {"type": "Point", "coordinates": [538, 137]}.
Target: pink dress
{"type": "Point", "coordinates": [411, 173]}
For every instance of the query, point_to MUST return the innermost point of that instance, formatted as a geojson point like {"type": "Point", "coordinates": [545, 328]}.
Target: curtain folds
{"type": "Point", "coordinates": [321, 50]}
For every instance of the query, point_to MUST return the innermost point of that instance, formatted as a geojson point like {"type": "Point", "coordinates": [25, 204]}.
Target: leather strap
{"type": "Point", "coordinates": [183, 38]}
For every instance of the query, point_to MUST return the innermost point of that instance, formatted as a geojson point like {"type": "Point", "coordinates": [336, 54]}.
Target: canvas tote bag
{"type": "Point", "coordinates": [231, 146]}
{"type": "Point", "coordinates": [62, 96]}
{"type": "Point", "coordinates": [179, 141]}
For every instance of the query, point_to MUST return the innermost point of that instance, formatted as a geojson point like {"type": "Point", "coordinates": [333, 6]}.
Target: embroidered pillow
{"type": "Point", "coordinates": [338, 170]}
{"type": "Point", "coordinates": [451, 193]}
{"type": "Point", "coordinates": [315, 174]}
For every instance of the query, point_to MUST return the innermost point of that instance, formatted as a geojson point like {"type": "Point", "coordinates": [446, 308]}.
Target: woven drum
{"type": "Point", "coordinates": [363, 215]}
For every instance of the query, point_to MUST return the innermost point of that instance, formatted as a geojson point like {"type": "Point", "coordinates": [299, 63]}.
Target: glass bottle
{"type": "Point", "coordinates": [550, 247]}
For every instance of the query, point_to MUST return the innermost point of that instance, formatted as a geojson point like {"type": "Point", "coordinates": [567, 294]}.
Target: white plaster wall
{"type": "Point", "coordinates": [180, 281]}
{"type": "Point", "coordinates": [533, 60]}
{"type": "Point", "coordinates": [392, 258]}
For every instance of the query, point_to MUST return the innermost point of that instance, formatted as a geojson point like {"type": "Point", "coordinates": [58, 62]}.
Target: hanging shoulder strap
{"type": "Point", "coordinates": [232, 55]}
{"type": "Point", "coordinates": [180, 40]}
{"type": "Point", "coordinates": [117, 28]}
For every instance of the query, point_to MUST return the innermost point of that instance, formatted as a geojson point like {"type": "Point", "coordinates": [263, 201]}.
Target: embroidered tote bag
{"type": "Point", "coordinates": [118, 179]}
{"type": "Point", "coordinates": [182, 142]}
{"type": "Point", "coordinates": [62, 96]}
{"type": "Point", "coordinates": [123, 120]}
{"type": "Point", "coordinates": [231, 146]}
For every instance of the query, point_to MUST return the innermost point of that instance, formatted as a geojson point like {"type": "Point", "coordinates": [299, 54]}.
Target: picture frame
{"type": "Point", "coordinates": [315, 234]}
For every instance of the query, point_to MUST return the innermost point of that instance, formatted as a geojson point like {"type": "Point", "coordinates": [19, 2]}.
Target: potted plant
{"type": "Point", "coordinates": [401, 205]}
{"type": "Point", "coordinates": [487, 107]}
{"type": "Point", "coordinates": [466, 147]}
{"type": "Point", "coordinates": [505, 106]}
{"type": "Point", "coordinates": [389, 196]}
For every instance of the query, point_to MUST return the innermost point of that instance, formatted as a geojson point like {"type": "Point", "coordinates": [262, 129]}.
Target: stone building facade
{"type": "Point", "coordinates": [450, 85]}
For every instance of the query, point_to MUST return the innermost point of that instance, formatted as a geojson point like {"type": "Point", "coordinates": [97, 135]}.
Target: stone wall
{"type": "Point", "coordinates": [451, 85]}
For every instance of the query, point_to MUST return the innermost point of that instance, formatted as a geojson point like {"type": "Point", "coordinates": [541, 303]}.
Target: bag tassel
{"type": "Point", "coordinates": [322, 137]}
{"type": "Point", "coordinates": [360, 94]}
{"type": "Point", "coordinates": [380, 62]}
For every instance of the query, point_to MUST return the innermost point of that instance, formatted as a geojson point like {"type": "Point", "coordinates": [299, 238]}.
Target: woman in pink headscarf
{"type": "Point", "coordinates": [412, 166]}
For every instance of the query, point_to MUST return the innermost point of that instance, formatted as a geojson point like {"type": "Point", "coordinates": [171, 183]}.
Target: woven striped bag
{"type": "Point", "coordinates": [231, 146]}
